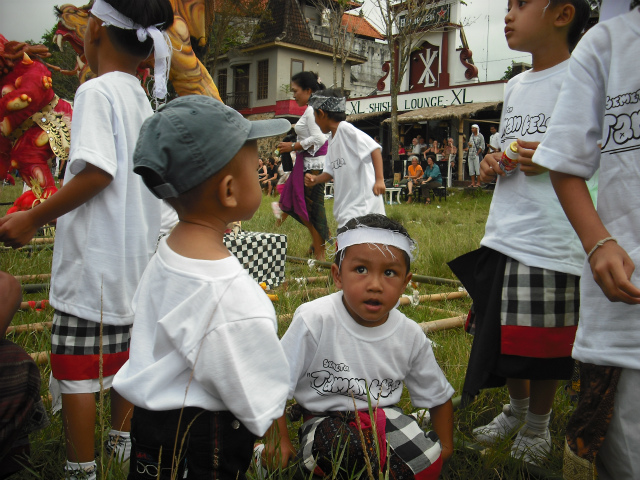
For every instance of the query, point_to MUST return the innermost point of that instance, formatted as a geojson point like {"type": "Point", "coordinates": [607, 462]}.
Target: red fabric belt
{"type": "Point", "coordinates": [537, 342]}
{"type": "Point", "coordinates": [86, 367]}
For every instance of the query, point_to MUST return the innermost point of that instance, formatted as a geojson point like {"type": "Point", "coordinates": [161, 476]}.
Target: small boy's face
{"type": "Point", "coordinates": [528, 24]}
{"type": "Point", "coordinates": [372, 278]}
{"type": "Point", "coordinates": [322, 120]}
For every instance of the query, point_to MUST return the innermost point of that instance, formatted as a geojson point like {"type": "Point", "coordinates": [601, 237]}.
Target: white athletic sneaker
{"type": "Point", "coordinates": [531, 448]}
{"type": "Point", "coordinates": [88, 473]}
{"type": "Point", "coordinates": [423, 417]}
{"type": "Point", "coordinates": [118, 447]}
{"type": "Point", "coordinates": [503, 426]}
{"type": "Point", "coordinates": [261, 472]}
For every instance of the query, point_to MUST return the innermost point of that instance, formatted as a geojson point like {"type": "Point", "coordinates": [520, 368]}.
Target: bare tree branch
{"type": "Point", "coordinates": [404, 23]}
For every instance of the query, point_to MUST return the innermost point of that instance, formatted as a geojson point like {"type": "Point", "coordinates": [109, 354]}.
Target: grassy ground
{"type": "Point", "coordinates": [443, 231]}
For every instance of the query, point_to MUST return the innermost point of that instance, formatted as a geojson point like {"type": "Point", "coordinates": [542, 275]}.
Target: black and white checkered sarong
{"type": "Point", "coordinates": [537, 297]}
{"type": "Point", "coordinates": [419, 450]}
{"type": "Point", "coordinates": [263, 255]}
{"type": "Point", "coordinates": [76, 336]}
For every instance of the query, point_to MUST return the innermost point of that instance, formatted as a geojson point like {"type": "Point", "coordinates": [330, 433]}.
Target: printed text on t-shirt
{"type": "Point", "coordinates": [337, 163]}
{"type": "Point", "coordinates": [325, 382]}
{"type": "Point", "coordinates": [528, 126]}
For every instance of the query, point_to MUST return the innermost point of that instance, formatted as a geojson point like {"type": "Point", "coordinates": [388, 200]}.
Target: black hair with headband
{"type": "Point", "coordinates": [145, 13]}
{"type": "Point", "coordinates": [373, 220]}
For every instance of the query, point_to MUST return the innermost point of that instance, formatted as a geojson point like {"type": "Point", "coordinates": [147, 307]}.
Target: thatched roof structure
{"type": "Point", "coordinates": [356, 117]}
{"type": "Point", "coordinates": [446, 112]}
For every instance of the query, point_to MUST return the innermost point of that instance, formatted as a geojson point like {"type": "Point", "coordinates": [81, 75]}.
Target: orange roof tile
{"type": "Point", "coordinates": [360, 26]}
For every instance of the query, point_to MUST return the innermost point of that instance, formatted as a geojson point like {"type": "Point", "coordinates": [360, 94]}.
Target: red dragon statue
{"type": "Point", "coordinates": [34, 122]}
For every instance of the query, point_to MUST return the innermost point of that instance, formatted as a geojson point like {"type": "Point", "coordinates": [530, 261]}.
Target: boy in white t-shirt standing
{"type": "Point", "coordinates": [206, 366]}
{"type": "Point", "coordinates": [608, 338]}
{"type": "Point", "coordinates": [353, 161]}
{"type": "Point", "coordinates": [108, 224]}
{"type": "Point", "coordinates": [524, 280]}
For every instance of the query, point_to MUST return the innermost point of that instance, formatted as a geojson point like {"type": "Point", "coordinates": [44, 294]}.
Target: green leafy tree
{"type": "Point", "coordinates": [64, 84]}
{"type": "Point", "coordinates": [230, 24]}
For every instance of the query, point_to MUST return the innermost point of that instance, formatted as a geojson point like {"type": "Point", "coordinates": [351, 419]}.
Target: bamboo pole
{"type": "Point", "coordinates": [443, 324]}
{"type": "Point", "coordinates": [30, 327]}
{"type": "Point", "coordinates": [436, 297]}
{"type": "Point", "coordinates": [28, 278]}
{"type": "Point", "coordinates": [305, 281]}
{"type": "Point", "coordinates": [309, 291]}
{"type": "Point", "coordinates": [439, 310]}
{"type": "Point", "coordinates": [434, 280]}
{"type": "Point", "coordinates": [34, 304]}
{"type": "Point", "coordinates": [41, 240]}
{"type": "Point", "coordinates": [40, 357]}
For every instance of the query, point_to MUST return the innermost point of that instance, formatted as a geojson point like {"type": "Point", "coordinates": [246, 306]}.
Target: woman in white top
{"type": "Point", "coordinates": [306, 204]}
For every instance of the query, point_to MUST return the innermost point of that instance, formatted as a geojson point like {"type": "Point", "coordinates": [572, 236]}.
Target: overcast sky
{"type": "Point", "coordinates": [483, 19]}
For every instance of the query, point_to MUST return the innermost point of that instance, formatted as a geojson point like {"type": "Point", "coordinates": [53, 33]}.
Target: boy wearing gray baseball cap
{"type": "Point", "coordinates": [205, 366]}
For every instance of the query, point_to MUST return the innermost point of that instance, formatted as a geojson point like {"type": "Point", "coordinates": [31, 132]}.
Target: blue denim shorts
{"type": "Point", "coordinates": [207, 445]}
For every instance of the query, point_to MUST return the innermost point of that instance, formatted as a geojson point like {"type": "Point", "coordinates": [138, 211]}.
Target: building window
{"type": "Point", "coordinates": [297, 66]}
{"type": "Point", "coordinates": [263, 79]}
{"type": "Point", "coordinates": [240, 87]}
{"type": "Point", "coordinates": [222, 84]}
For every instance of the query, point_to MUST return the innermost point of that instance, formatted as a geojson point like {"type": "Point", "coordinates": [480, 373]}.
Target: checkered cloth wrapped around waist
{"type": "Point", "coordinates": [418, 451]}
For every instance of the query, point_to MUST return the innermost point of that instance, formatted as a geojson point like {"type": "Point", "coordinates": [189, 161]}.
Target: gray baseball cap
{"type": "Point", "coordinates": [192, 138]}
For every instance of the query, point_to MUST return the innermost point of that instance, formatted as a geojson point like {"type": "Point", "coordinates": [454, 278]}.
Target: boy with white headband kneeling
{"type": "Point", "coordinates": [354, 346]}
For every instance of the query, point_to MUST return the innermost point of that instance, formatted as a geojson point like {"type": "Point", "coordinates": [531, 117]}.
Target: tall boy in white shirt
{"type": "Point", "coordinates": [524, 280]}
{"type": "Point", "coordinates": [608, 337]}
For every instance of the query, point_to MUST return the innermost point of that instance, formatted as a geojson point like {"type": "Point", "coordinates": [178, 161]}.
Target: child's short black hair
{"type": "Point", "coordinates": [337, 93]}
{"type": "Point", "coordinates": [145, 13]}
{"type": "Point", "coordinates": [580, 19]}
{"type": "Point", "coordinates": [308, 81]}
{"type": "Point", "coordinates": [373, 220]}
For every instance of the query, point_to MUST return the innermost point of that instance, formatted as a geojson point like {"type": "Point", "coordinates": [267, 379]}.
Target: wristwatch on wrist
{"type": "Point", "coordinates": [293, 146]}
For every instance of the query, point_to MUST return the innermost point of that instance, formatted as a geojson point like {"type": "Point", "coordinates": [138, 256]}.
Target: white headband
{"type": "Point", "coordinates": [382, 236]}
{"type": "Point", "coordinates": [161, 43]}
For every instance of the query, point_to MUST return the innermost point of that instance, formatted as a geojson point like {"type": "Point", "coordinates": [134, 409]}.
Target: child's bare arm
{"type": "Point", "coordinates": [278, 449]}
{"type": "Point", "coordinates": [18, 228]}
{"type": "Point", "coordinates": [442, 421]}
{"type": "Point", "coordinates": [610, 263]}
{"type": "Point", "coordinates": [525, 152]}
{"type": "Point", "coordinates": [376, 158]}
{"type": "Point", "coordinates": [312, 180]}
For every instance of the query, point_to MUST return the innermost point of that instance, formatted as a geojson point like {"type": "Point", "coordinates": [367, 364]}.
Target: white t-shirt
{"type": "Point", "coordinates": [103, 246]}
{"type": "Point", "coordinates": [600, 100]}
{"type": "Point", "coordinates": [349, 163]}
{"type": "Point", "coordinates": [331, 356]}
{"type": "Point", "coordinates": [311, 138]}
{"type": "Point", "coordinates": [526, 221]}
{"type": "Point", "coordinates": [494, 140]}
{"type": "Point", "coordinates": [211, 320]}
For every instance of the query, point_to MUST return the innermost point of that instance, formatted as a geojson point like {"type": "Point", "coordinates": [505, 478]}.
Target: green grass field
{"type": "Point", "coordinates": [443, 231]}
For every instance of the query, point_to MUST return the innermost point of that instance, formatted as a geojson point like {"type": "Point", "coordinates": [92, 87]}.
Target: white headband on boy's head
{"type": "Point", "coordinates": [161, 43]}
{"type": "Point", "coordinates": [380, 236]}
